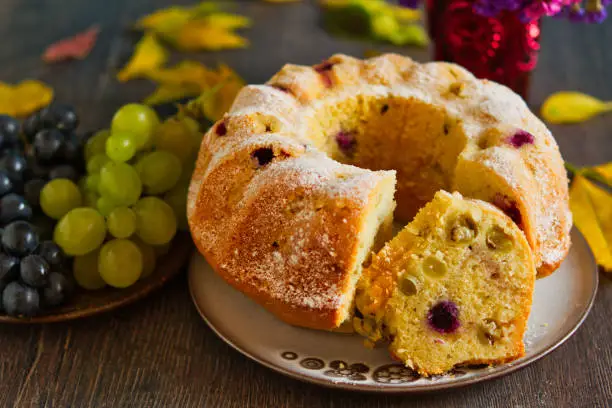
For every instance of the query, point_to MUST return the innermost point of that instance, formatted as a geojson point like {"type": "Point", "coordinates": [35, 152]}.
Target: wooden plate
{"type": "Point", "coordinates": [89, 303]}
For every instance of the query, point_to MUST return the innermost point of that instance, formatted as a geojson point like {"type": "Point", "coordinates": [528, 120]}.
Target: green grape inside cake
{"type": "Point", "coordinates": [295, 191]}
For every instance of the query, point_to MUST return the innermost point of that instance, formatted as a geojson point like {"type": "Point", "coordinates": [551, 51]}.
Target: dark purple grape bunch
{"type": "Point", "coordinates": [13, 173]}
{"type": "Point", "coordinates": [43, 147]}
{"type": "Point", "coordinates": [56, 150]}
{"type": "Point", "coordinates": [33, 274]}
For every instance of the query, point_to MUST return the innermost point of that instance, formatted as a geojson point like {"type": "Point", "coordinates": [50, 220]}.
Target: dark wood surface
{"type": "Point", "coordinates": [158, 352]}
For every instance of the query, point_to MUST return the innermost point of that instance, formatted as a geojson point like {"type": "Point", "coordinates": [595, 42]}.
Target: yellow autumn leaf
{"type": "Point", "coordinates": [374, 19]}
{"type": "Point", "coordinates": [169, 93]}
{"type": "Point", "coordinates": [6, 101]}
{"type": "Point", "coordinates": [148, 55]}
{"type": "Point", "coordinates": [572, 107]}
{"type": "Point", "coordinates": [334, 3]}
{"type": "Point", "coordinates": [592, 211]}
{"type": "Point", "coordinates": [606, 171]}
{"type": "Point", "coordinates": [184, 73]}
{"type": "Point", "coordinates": [405, 14]}
{"type": "Point", "coordinates": [200, 35]}
{"type": "Point", "coordinates": [216, 100]}
{"type": "Point", "coordinates": [24, 98]}
{"type": "Point", "coordinates": [165, 20]}
{"type": "Point", "coordinates": [227, 21]}
{"type": "Point", "coordinates": [206, 7]}
{"type": "Point", "coordinates": [218, 103]}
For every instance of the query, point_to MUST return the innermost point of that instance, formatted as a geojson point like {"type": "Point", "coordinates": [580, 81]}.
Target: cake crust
{"type": "Point", "coordinates": [302, 134]}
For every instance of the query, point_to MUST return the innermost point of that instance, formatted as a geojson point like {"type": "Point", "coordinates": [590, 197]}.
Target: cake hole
{"type": "Point", "coordinates": [498, 240]}
{"type": "Point", "coordinates": [448, 124]}
{"type": "Point", "coordinates": [263, 156]}
{"type": "Point", "coordinates": [434, 267]}
{"type": "Point", "coordinates": [367, 327]}
{"type": "Point", "coordinates": [483, 142]}
{"type": "Point", "coordinates": [324, 69]}
{"type": "Point", "coordinates": [443, 317]}
{"type": "Point", "coordinates": [488, 332]}
{"type": "Point", "coordinates": [409, 285]}
{"type": "Point", "coordinates": [275, 244]}
{"type": "Point", "coordinates": [463, 230]}
{"type": "Point", "coordinates": [281, 88]}
{"type": "Point", "coordinates": [509, 207]}
{"type": "Point", "coordinates": [456, 88]}
{"type": "Point", "coordinates": [384, 109]}
{"type": "Point", "coordinates": [296, 204]}
{"type": "Point", "coordinates": [268, 123]}
{"type": "Point", "coordinates": [221, 129]}
{"type": "Point", "coordinates": [323, 66]}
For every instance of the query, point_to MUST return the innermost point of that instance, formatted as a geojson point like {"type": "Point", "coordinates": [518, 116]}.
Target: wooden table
{"type": "Point", "coordinates": [159, 352]}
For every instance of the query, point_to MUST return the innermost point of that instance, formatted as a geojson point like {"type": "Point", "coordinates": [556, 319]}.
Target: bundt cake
{"type": "Point", "coordinates": [279, 211]}
{"type": "Point", "coordinates": [454, 287]}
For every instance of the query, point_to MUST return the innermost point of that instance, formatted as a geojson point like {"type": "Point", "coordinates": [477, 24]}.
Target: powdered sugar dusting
{"type": "Point", "coordinates": [286, 232]}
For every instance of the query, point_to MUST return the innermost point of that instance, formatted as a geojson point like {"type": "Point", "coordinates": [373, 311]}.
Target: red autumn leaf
{"type": "Point", "coordinates": [77, 47]}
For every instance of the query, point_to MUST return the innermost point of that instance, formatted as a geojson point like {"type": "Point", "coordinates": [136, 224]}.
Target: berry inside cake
{"type": "Point", "coordinates": [453, 288]}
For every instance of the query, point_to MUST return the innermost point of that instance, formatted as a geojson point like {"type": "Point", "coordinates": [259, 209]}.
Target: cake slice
{"type": "Point", "coordinates": [453, 288]}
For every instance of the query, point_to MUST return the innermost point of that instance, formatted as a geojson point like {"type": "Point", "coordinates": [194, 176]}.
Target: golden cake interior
{"type": "Point", "coordinates": [376, 230]}
{"type": "Point", "coordinates": [423, 142]}
{"type": "Point", "coordinates": [417, 139]}
{"type": "Point", "coordinates": [454, 287]}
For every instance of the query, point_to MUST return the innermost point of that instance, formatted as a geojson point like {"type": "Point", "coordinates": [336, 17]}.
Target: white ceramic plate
{"type": "Point", "coordinates": [561, 303]}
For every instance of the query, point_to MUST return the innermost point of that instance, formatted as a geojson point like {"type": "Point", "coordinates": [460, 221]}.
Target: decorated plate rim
{"type": "Point", "coordinates": [503, 370]}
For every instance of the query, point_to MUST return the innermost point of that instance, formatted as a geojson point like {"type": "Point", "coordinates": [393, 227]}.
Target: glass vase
{"type": "Point", "coordinates": [502, 48]}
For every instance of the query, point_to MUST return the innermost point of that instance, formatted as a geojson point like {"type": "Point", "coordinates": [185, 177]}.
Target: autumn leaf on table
{"type": "Point", "coordinates": [24, 98]}
{"type": "Point", "coordinates": [166, 20]}
{"type": "Point", "coordinates": [76, 47]}
{"type": "Point", "coordinates": [215, 105]}
{"type": "Point", "coordinates": [215, 101]}
{"type": "Point", "coordinates": [148, 55]}
{"type": "Point", "coordinates": [374, 19]}
{"type": "Point", "coordinates": [170, 18]}
{"type": "Point", "coordinates": [216, 89]}
{"type": "Point", "coordinates": [227, 21]}
{"type": "Point", "coordinates": [202, 27]}
{"type": "Point", "coordinates": [206, 34]}
{"type": "Point", "coordinates": [183, 80]}
{"type": "Point", "coordinates": [170, 93]}
{"type": "Point", "coordinates": [572, 107]}
{"type": "Point", "coordinates": [185, 73]}
{"type": "Point", "coordinates": [591, 207]}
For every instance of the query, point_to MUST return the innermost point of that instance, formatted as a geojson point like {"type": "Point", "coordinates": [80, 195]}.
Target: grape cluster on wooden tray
{"type": "Point", "coordinates": [86, 211]}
